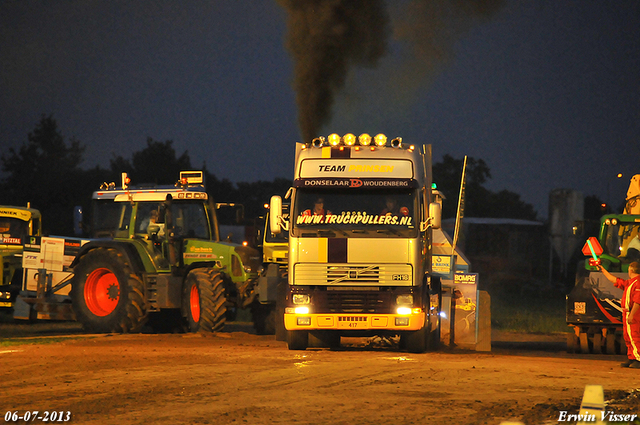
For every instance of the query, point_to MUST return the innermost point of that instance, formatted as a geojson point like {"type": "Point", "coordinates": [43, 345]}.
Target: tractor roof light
{"type": "Point", "coordinates": [381, 139]}
{"type": "Point", "coordinates": [318, 142]}
{"type": "Point", "coordinates": [364, 139]}
{"type": "Point", "coordinates": [334, 139]}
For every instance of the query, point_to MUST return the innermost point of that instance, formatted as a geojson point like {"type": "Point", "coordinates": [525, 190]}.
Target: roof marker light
{"type": "Point", "coordinates": [334, 139]}
{"type": "Point", "coordinates": [364, 139]}
{"type": "Point", "coordinates": [381, 139]}
{"type": "Point", "coordinates": [397, 142]}
{"type": "Point", "coordinates": [349, 139]}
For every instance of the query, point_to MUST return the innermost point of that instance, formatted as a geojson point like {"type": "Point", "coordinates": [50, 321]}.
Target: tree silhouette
{"type": "Point", "coordinates": [155, 164]}
{"type": "Point", "coordinates": [45, 172]}
{"type": "Point", "coordinates": [479, 201]}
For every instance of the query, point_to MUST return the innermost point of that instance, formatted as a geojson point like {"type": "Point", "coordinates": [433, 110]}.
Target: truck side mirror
{"type": "Point", "coordinates": [275, 214]}
{"type": "Point", "coordinates": [435, 215]}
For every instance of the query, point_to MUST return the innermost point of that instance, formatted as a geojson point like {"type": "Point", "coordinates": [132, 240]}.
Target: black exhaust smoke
{"type": "Point", "coordinates": [328, 37]}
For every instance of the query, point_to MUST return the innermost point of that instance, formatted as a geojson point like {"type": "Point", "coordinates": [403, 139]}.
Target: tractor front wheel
{"type": "Point", "coordinates": [204, 301]}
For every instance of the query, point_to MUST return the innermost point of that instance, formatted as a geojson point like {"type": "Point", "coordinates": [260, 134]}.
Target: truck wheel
{"type": "Point", "coordinates": [281, 294]}
{"type": "Point", "coordinates": [425, 339]}
{"type": "Point", "coordinates": [204, 302]}
{"type": "Point", "coordinates": [297, 340]}
{"type": "Point", "coordinates": [597, 342]}
{"type": "Point", "coordinates": [264, 318]}
{"type": "Point", "coordinates": [106, 295]}
{"type": "Point", "coordinates": [416, 341]}
{"type": "Point", "coordinates": [610, 342]}
{"type": "Point", "coordinates": [584, 343]}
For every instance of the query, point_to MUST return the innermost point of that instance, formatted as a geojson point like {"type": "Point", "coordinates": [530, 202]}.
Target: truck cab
{"type": "Point", "coordinates": [360, 242]}
{"type": "Point", "coordinates": [17, 226]}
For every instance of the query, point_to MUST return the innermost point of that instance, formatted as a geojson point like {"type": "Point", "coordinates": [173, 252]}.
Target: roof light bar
{"type": "Point", "coordinates": [380, 139]}
{"type": "Point", "coordinates": [364, 139]}
{"type": "Point", "coordinates": [334, 139]}
{"type": "Point", "coordinates": [397, 142]}
{"type": "Point", "coordinates": [349, 139]}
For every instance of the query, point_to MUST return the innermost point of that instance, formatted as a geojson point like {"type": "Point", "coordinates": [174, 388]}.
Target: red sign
{"type": "Point", "coordinates": [597, 249]}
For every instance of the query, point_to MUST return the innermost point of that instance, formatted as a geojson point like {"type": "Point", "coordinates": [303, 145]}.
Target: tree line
{"type": "Point", "coordinates": [45, 171]}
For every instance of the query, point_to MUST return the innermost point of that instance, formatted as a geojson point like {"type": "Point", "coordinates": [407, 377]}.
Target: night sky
{"type": "Point", "coordinates": [547, 93]}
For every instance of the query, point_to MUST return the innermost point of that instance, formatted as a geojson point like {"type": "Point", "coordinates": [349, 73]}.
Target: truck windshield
{"type": "Point", "coordinates": [370, 213]}
{"type": "Point", "coordinates": [621, 240]}
{"type": "Point", "coordinates": [13, 231]}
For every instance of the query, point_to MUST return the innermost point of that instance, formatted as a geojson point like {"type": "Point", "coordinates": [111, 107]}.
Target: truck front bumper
{"type": "Point", "coordinates": [355, 322]}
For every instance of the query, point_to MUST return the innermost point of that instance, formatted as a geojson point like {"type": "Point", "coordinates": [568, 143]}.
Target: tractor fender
{"type": "Point", "coordinates": [126, 249]}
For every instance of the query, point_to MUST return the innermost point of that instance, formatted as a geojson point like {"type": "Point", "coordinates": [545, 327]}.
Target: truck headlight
{"type": "Point", "coordinates": [301, 299]}
{"type": "Point", "coordinates": [301, 310]}
{"type": "Point", "coordinates": [404, 299]}
{"type": "Point", "coordinates": [404, 311]}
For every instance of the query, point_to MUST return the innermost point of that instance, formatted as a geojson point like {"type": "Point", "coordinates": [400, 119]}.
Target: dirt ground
{"type": "Point", "coordinates": [239, 377]}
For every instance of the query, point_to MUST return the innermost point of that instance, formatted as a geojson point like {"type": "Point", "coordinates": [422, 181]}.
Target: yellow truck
{"type": "Point", "coordinates": [361, 215]}
{"type": "Point", "coordinates": [17, 226]}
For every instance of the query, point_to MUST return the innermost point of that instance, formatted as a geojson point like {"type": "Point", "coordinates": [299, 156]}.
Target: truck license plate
{"type": "Point", "coordinates": [352, 322]}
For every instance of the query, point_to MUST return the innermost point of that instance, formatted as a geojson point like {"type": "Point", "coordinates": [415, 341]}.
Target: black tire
{"type": "Point", "coordinates": [584, 343]}
{"type": "Point", "coordinates": [106, 295]}
{"type": "Point", "coordinates": [264, 318]}
{"type": "Point", "coordinates": [204, 301]}
{"type": "Point", "coordinates": [597, 342]}
{"type": "Point", "coordinates": [610, 342]}
{"type": "Point", "coordinates": [281, 294]}
{"type": "Point", "coordinates": [297, 340]}
{"type": "Point", "coordinates": [416, 341]}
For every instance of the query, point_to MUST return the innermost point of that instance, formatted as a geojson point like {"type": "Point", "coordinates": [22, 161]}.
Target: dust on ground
{"type": "Point", "coordinates": [238, 377]}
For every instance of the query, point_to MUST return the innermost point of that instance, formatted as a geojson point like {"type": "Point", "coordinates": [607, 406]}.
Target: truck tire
{"type": "Point", "coordinates": [416, 341]}
{"type": "Point", "coordinates": [297, 340]}
{"type": "Point", "coordinates": [425, 339]}
{"type": "Point", "coordinates": [106, 295]}
{"type": "Point", "coordinates": [264, 318]}
{"type": "Point", "coordinates": [204, 301]}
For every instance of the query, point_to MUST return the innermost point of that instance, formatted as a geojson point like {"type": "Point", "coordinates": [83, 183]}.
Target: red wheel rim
{"type": "Point", "coordinates": [194, 303]}
{"type": "Point", "coordinates": [102, 292]}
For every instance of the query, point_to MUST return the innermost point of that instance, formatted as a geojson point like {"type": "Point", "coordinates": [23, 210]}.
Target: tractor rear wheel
{"type": "Point", "coordinates": [106, 295]}
{"type": "Point", "coordinates": [204, 301]}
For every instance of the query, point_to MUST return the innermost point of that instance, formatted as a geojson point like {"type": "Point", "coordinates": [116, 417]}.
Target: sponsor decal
{"type": "Point", "coordinates": [200, 249]}
{"type": "Point", "coordinates": [356, 217]}
{"type": "Point", "coordinates": [355, 183]}
{"type": "Point", "coordinates": [466, 278]}
{"type": "Point", "coordinates": [200, 256]}
{"type": "Point", "coordinates": [338, 166]}
{"type": "Point", "coordinates": [15, 241]}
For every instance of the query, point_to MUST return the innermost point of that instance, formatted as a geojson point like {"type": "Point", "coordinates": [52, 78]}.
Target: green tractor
{"type": "Point", "coordinates": [155, 259]}
{"type": "Point", "coordinates": [17, 225]}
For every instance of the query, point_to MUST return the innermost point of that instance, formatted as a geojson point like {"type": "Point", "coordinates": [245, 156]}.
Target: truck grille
{"type": "Point", "coordinates": [358, 302]}
{"type": "Point", "coordinates": [353, 274]}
